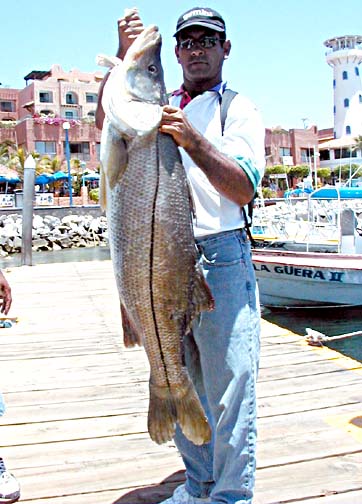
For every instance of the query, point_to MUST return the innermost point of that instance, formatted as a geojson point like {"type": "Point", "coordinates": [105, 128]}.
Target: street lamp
{"type": "Point", "coordinates": [27, 220]}
{"type": "Point", "coordinates": [66, 126]}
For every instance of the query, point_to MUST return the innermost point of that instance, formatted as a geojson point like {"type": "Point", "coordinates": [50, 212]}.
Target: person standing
{"type": "Point", "coordinates": [224, 169]}
{"type": "Point", "coordinates": [9, 486]}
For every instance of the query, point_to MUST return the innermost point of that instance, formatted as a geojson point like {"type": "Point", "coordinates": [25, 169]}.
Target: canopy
{"type": "Point", "coordinates": [334, 192]}
{"type": "Point", "coordinates": [9, 179]}
{"type": "Point", "coordinates": [44, 178]}
{"type": "Point", "coordinates": [59, 175]}
{"type": "Point", "coordinates": [91, 176]}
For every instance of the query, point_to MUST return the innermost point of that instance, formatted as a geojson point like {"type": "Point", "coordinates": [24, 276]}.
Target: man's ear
{"type": "Point", "coordinates": [177, 52]}
{"type": "Point", "coordinates": [227, 48]}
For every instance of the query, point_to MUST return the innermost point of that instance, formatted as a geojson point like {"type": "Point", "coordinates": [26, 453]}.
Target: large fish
{"type": "Point", "coordinates": [153, 251]}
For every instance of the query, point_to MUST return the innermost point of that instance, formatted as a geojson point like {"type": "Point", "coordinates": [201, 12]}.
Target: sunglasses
{"type": "Point", "coordinates": [204, 42]}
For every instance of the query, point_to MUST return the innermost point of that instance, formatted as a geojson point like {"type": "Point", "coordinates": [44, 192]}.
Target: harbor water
{"type": "Point", "coordinates": [329, 321]}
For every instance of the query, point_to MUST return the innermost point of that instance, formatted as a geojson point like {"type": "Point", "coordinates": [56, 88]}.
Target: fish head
{"type": "Point", "coordinates": [144, 79]}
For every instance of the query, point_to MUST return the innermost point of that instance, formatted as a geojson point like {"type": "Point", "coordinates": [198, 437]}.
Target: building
{"type": "Point", "coordinates": [33, 117]}
{"type": "Point", "coordinates": [337, 147]}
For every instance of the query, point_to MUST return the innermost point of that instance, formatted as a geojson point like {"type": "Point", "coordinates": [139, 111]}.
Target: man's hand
{"type": "Point", "coordinates": [5, 294]}
{"type": "Point", "coordinates": [129, 27]}
{"type": "Point", "coordinates": [175, 123]}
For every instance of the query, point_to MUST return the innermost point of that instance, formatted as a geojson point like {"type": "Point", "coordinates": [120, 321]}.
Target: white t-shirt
{"type": "Point", "coordinates": [243, 140]}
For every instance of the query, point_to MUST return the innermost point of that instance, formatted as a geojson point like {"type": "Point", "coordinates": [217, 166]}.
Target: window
{"type": "Point", "coordinates": [324, 155]}
{"type": "Point", "coordinates": [334, 110]}
{"type": "Point", "coordinates": [71, 114]}
{"type": "Point", "coordinates": [46, 97]}
{"type": "Point", "coordinates": [46, 112]}
{"type": "Point", "coordinates": [305, 155]}
{"type": "Point", "coordinates": [79, 150]}
{"type": "Point", "coordinates": [45, 148]}
{"type": "Point", "coordinates": [360, 98]}
{"type": "Point", "coordinates": [348, 130]}
{"type": "Point", "coordinates": [285, 151]}
{"type": "Point", "coordinates": [334, 83]}
{"type": "Point", "coordinates": [71, 99]}
{"type": "Point", "coordinates": [91, 113]}
{"type": "Point", "coordinates": [91, 97]}
{"type": "Point", "coordinates": [98, 150]}
{"type": "Point", "coordinates": [344, 153]}
{"type": "Point", "coordinates": [346, 102]}
{"type": "Point", "coordinates": [345, 75]}
{"type": "Point", "coordinates": [7, 106]}
{"type": "Point", "coordinates": [356, 70]}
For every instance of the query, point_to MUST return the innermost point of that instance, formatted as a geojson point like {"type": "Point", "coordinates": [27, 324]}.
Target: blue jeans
{"type": "Point", "coordinates": [222, 358]}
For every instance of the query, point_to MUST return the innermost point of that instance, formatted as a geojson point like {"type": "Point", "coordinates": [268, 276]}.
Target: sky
{"type": "Point", "coordinates": [277, 57]}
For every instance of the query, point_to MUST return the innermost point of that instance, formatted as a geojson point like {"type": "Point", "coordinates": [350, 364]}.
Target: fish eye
{"type": "Point", "coordinates": [152, 69]}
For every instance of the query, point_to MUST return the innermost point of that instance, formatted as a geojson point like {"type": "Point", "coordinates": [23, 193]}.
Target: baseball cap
{"type": "Point", "coordinates": [201, 16]}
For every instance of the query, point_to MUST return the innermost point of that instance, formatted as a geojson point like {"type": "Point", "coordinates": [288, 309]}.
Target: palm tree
{"type": "Point", "coordinates": [358, 144]}
{"type": "Point", "coordinates": [6, 149]}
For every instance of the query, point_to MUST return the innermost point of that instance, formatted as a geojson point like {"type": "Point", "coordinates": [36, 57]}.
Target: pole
{"type": "Point", "coordinates": [315, 154]}
{"type": "Point", "coordinates": [28, 198]}
{"type": "Point", "coordinates": [66, 127]}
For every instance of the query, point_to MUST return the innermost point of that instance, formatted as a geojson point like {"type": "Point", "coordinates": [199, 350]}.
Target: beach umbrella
{"type": "Point", "coordinates": [10, 179]}
{"type": "Point", "coordinates": [59, 175]}
{"type": "Point", "coordinates": [91, 176]}
{"type": "Point", "coordinates": [44, 178]}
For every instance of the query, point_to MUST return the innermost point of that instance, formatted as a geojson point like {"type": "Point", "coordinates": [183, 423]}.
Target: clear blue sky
{"type": "Point", "coordinates": [277, 57]}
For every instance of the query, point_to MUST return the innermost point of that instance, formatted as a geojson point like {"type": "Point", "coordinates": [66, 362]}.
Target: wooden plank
{"type": "Point", "coordinates": [310, 479]}
{"type": "Point", "coordinates": [75, 431]}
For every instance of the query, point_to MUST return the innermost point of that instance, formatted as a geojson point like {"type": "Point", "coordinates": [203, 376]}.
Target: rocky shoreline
{"type": "Point", "coordinates": [53, 233]}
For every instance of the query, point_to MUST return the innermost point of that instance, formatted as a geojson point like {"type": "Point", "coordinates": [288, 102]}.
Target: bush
{"type": "Point", "coordinates": [94, 195]}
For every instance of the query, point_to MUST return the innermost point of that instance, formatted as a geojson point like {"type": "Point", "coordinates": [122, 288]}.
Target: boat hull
{"type": "Point", "coordinates": [301, 279]}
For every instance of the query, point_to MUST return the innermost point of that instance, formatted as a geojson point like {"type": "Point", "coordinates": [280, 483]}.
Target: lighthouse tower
{"type": "Point", "coordinates": [345, 56]}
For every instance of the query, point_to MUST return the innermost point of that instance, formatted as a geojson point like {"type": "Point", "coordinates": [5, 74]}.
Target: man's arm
{"type": "Point", "coordinates": [129, 27]}
{"type": "Point", "coordinates": [5, 294]}
{"type": "Point", "coordinates": [223, 172]}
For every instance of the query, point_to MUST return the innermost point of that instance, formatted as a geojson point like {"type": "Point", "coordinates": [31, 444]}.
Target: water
{"type": "Point", "coordinates": [331, 322]}
{"type": "Point", "coordinates": [328, 321]}
{"type": "Point", "coordinates": [59, 256]}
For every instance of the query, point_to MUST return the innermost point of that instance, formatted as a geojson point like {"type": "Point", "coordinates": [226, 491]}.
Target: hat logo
{"type": "Point", "coordinates": [197, 12]}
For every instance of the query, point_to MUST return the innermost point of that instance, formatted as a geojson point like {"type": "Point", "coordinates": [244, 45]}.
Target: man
{"type": "Point", "coordinates": [9, 487]}
{"type": "Point", "coordinates": [223, 170]}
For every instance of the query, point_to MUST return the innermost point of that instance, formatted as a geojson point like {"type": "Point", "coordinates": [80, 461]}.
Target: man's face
{"type": "Point", "coordinates": [201, 54]}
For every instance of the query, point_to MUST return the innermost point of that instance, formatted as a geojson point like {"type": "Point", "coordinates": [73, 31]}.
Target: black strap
{"type": "Point", "coordinates": [225, 100]}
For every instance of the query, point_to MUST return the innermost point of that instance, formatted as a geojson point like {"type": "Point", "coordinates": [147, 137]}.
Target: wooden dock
{"type": "Point", "coordinates": [75, 427]}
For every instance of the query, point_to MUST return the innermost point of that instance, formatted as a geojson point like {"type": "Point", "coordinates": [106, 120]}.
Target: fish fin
{"type": "Point", "coordinates": [107, 61]}
{"type": "Point", "coordinates": [203, 299]}
{"type": "Point", "coordinates": [191, 416]}
{"type": "Point", "coordinates": [114, 154]}
{"type": "Point", "coordinates": [103, 190]}
{"type": "Point", "coordinates": [161, 414]}
{"type": "Point", "coordinates": [130, 335]}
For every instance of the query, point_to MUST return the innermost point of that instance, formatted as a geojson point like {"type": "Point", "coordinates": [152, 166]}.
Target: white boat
{"type": "Point", "coordinates": [308, 279]}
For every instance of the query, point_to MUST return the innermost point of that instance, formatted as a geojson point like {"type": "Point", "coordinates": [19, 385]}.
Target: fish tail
{"type": "Point", "coordinates": [191, 416]}
{"type": "Point", "coordinates": [161, 414]}
{"type": "Point", "coordinates": [179, 404]}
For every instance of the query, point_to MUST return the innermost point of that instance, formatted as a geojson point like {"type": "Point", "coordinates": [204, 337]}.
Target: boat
{"type": "Point", "coordinates": [289, 279]}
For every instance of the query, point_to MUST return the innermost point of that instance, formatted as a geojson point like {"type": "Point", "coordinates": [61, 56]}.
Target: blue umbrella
{"type": "Point", "coordinates": [59, 175]}
{"type": "Point", "coordinates": [10, 179]}
{"type": "Point", "coordinates": [91, 176]}
{"type": "Point", "coordinates": [44, 178]}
